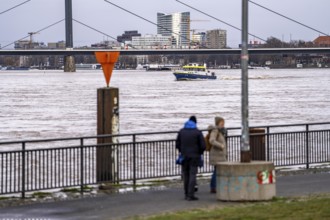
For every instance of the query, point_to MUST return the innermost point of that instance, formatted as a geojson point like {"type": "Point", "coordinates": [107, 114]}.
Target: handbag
{"type": "Point", "coordinates": [179, 160]}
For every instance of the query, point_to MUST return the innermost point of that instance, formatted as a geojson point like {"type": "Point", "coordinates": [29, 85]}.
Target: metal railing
{"type": "Point", "coordinates": [33, 165]}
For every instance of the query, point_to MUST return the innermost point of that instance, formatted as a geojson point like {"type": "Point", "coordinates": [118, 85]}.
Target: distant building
{"type": "Point", "coordinates": [199, 38]}
{"type": "Point", "coordinates": [176, 25]}
{"type": "Point", "coordinates": [216, 39]}
{"type": "Point", "coordinates": [24, 61]}
{"type": "Point", "coordinates": [322, 41]}
{"type": "Point", "coordinates": [56, 45]}
{"type": "Point", "coordinates": [152, 41]}
{"type": "Point", "coordinates": [127, 36]}
{"type": "Point", "coordinates": [253, 44]}
{"type": "Point", "coordinates": [22, 44]}
{"type": "Point", "coordinates": [106, 44]}
{"type": "Point", "coordinates": [27, 44]}
{"type": "Point", "coordinates": [164, 22]}
{"type": "Point", "coordinates": [56, 62]}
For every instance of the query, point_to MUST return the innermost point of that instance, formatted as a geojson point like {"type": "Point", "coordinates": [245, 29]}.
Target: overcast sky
{"type": "Point", "coordinates": [39, 13]}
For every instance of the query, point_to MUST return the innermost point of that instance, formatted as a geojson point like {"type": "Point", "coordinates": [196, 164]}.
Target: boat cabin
{"type": "Point", "coordinates": [194, 67]}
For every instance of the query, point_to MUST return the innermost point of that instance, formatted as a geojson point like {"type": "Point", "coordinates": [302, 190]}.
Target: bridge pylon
{"type": "Point", "coordinates": [69, 64]}
{"type": "Point", "coordinates": [69, 61]}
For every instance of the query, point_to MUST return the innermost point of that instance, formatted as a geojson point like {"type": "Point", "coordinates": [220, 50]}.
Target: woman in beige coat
{"type": "Point", "coordinates": [218, 152]}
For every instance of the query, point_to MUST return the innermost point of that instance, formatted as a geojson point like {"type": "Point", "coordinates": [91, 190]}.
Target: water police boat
{"type": "Point", "coordinates": [194, 71]}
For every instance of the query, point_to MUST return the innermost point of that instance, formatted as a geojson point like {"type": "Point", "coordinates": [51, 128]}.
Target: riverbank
{"type": "Point", "coordinates": [155, 200]}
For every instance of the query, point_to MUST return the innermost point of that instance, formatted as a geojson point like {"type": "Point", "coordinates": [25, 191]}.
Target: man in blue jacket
{"type": "Point", "coordinates": [190, 143]}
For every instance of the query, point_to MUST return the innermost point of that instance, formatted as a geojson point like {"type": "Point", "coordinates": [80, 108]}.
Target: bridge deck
{"type": "Point", "coordinates": [255, 51]}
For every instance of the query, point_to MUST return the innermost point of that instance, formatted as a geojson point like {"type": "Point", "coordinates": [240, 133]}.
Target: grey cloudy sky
{"type": "Point", "coordinates": [39, 13]}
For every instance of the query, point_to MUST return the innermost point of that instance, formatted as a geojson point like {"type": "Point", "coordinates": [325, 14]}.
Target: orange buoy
{"type": "Point", "coordinates": [107, 60]}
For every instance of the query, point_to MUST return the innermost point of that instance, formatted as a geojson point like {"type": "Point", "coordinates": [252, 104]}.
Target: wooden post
{"type": "Point", "coordinates": [107, 123]}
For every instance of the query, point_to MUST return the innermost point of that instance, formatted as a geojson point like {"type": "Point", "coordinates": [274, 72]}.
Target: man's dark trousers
{"type": "Point", "coordinates": [190, 168]}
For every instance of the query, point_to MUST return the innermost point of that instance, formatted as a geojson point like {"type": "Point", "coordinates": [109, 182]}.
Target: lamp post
{"type": "Point", "coordinates": [245, 140]}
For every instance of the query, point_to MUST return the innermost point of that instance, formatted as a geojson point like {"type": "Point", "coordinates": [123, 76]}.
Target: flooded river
{"type": "Point", "coordinates": [52, 104]}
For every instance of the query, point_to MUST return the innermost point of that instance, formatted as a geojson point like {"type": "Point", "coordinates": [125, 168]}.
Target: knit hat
{"type": "Point", "coordinates": [193, 118]}
{"type": "Point", "coordinates": [217, 120]}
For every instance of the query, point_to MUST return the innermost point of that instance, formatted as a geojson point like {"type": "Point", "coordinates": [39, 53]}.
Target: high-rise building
{"type": "Point", "coordinates": [199, 39]}
{"type": "Point", "coordinates": [176, 25]}
{"type": "Point", "coordinates": [164, 22]}
{"type": "Point", "coordinates": [216, 39]}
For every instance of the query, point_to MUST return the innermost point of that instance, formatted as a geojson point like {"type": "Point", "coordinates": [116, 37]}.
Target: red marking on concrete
{"type": "Point", "coordinates": [266, 177]}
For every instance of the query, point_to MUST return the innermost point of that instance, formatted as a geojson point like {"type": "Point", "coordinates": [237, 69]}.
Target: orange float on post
{"type": "Point", "coordinates": [107, 60]}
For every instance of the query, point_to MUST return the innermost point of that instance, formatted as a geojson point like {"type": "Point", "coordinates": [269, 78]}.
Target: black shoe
{"type": "Point", "coordinates": [196, 188]}
{"type": "Point", "coordinates": [192, 198]}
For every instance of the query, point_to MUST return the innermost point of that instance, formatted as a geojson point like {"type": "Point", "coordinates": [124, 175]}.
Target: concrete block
{"type": "Point", "coordinates": [254, 181]}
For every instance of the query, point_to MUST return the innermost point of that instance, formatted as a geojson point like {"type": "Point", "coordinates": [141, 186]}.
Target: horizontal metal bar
{"type": "Point", "coordinates": [252, 51]}
{"type": "Point", "coordinates": [147, 133]}
{"type": "Point", "coordinates": [278, 133]}
{"type": "Point", "coordinates": [153, 141]}
{"type": "Point", "coordinates": [86, 137]}
{"type": "Point", "coordinates": [87, 146]}
{"type": "Point", "coordinates": [282, 125]}
{"type": "Point", "coordinates": [290, 132]}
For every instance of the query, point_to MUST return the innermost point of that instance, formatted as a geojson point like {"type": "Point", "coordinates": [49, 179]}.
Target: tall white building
{"type": "Point", "coordinates": [216, 39]}
{"type": "Point", "coordinates": [176, 25]}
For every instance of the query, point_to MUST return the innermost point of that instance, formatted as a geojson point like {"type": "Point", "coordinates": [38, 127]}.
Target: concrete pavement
{"type": "Point", "coordinates": [117, 206]}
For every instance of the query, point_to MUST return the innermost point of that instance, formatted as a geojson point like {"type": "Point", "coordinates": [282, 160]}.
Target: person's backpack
{"type": "Point", "coordinates": [207, 142]}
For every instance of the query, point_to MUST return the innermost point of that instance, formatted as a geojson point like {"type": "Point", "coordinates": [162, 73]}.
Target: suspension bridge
{"type": "Point", "coordinates": [70, 51]}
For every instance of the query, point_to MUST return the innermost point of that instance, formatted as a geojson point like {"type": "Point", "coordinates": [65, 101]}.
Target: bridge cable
{"type": "Point", "coordinates": [98, 31]}
{"type": "Point", "coordinates": [217, 19]}
{"type": "Point", "coordinates": [9, 9]}
{"type": "Point", "coordinates": [94, 29]}
{"type": "Point", "coordinates": [42, 29]}
{"type": "Point", "coordinates": [288, 18]}
{"type": "Point", "coordinates": [149, 21]}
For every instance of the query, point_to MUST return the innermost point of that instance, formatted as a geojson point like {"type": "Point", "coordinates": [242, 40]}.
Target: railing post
{"type": "Point", "coordinates": [268, 142]}
{"type": "Point", "coordinates": [134, 160]}
{"type": "Point", "coordinates": [307, 146]}
{"type": "Point", "coordinates": [81, 165]}
{"type": "Point", "coordinates": [23, 170]}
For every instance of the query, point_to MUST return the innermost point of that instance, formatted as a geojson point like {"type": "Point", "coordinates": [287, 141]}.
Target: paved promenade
{"type": "Point", "coordinates": [118, 206]}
